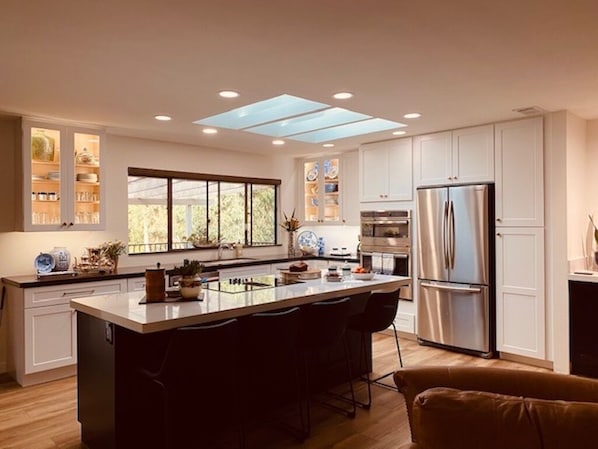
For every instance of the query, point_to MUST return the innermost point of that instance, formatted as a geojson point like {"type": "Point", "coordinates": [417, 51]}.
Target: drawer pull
{"type": "Point", "coordinates": [79, 293]}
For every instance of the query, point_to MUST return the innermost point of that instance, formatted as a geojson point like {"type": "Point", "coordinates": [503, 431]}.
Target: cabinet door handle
{"type": "Point", "coordinates": [499, 220]}
{"type": "Point", "coordinates": [498, 234]}
{"type": "Point", "coordinates": [79, 293]}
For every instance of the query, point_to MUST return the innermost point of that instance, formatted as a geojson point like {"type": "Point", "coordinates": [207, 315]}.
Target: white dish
{"type": "Point", "coordinates": [332, 173]}
{"type": "Point", "coordinates": [363, 276]}
{"type": "Point", "coordinates": [312, 175]}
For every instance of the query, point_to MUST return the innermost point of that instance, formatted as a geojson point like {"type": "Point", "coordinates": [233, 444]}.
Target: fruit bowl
{"type": "Point", "coordinates": [363, 276]}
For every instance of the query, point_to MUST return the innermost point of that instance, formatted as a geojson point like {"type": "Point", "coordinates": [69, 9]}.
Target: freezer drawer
{"type": "Point", "coordinates": [456, 315]}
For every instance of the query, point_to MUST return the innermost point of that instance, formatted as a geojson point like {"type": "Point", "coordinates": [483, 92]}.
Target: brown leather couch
{"type": "Point", "coordinates": [493, 408]}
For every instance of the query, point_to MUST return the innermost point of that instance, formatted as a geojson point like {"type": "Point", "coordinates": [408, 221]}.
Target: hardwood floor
{"type": "Point", "coordinates": [45, 416]}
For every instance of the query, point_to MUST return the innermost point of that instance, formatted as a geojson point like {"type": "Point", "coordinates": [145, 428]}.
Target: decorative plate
{"type": "Point", "coordinates": [312, 175]}
{"type": "Point", "coordinates": [44, 263]}
{"type": "Point", "coordinates": [332, 173]}
{"type": "Point", "coordinates": [308, 239]}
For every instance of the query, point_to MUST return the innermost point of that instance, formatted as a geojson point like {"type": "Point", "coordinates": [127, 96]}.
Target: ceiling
{"type": "Point", "coordinates": [117, 63]}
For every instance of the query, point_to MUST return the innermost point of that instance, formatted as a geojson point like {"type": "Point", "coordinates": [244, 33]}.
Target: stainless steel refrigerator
{"type": "Point", "coordinates": [455, 244]}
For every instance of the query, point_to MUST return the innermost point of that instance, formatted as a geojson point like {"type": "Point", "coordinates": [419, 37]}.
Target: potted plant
{"type": "Point", "coordinates": [111, 250]}
{"type": "Point", "coordinates": [190, 283]}
{"type": "Point", "coordinates": [200, 240]}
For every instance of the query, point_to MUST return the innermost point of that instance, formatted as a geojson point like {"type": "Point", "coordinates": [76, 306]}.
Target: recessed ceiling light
{"type": "Point", "coordinates": [163, 118]}
{"type": "Point", "coordinates": [399, 133]}
{"type": "Point", "coordinates": [278, 142]}
{"type": "Point", "coordinates": [328, 145]}
{"type": "Point", "coordinates": [413, 115]}
{"type": "Point", "coordinates": [209, 131]}
{"type": "Point", "coordinates": [228, 94]}
{"type": "Point", "coordinates": [343, 95]}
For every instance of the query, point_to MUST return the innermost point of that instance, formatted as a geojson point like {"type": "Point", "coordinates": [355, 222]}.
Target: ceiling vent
{"type": "Point", "coordinates": [530, 110]}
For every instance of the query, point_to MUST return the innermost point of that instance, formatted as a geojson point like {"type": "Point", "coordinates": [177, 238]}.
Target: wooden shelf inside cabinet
{"type": "Point", "coordinates": [83, 183]}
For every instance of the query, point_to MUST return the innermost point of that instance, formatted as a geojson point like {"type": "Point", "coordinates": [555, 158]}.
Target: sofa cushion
{"type": "Point", "coordinates": [448, 418]}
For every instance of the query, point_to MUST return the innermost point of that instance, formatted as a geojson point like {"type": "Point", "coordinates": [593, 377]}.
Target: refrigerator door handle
{"type": "Point", "coordinates": [451, 228]}
{"type": "Point", "coordinates": [452, 288]}
{"type": "Point", "coordinates": [445, 235]}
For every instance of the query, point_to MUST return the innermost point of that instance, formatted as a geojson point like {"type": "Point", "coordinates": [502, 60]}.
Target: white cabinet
{"type": "Point", "coordinates": [520, 305]}
{"type": "Point", "coordinates": [62, 186]}
{"type": "Point", "coordinates": [136, 284]}
{"type": "Point", "coordinates": [520, 173]}
{"type": "Point", "coordinates": [349, 188]}
{"type": "Point", "coordinates": [320, 192]}
{"type": "Point", "coordinates": [461, 156]}
{"type": "Point", "coordinates": [386, 171]}
{"type": "Point", "coordinates": [43, 330]}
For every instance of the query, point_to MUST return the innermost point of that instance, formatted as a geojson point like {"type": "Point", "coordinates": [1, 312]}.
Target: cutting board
{"type": "Point", "coordinates": [307, 274]}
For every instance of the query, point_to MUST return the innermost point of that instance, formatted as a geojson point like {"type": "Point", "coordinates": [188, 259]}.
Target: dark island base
{"type": "Point", "coordinates": [115, 407]}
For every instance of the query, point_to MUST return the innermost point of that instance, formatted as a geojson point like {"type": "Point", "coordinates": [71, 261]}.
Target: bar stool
{"type": "Point", "coordinates": [323, 327]}
{"type": "Point", "coordinates": [379, 314]}
{"type": "Point", "coordinates": [271, 367]}
{"type": "Point", "coordinates": [197, 361]}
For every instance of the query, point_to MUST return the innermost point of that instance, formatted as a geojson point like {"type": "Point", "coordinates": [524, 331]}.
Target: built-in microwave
{"type": "Point", "coordinates": [382, 229]}
{"type": "Point", "coordinates": [385, 240]}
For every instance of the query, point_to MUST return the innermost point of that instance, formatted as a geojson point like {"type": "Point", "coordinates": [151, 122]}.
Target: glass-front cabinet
{"type": "Point", "coordinates": [63, 179]}
{"type": "Point", "coordinates": [321, 193]}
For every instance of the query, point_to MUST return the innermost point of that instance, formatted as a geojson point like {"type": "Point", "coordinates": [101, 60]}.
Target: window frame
{"type": "Point", "coordinates": [248, 182]}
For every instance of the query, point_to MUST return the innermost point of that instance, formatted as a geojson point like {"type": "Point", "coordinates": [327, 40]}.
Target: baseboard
{"type": "Point", "coordinates": [526, 360]}
{"type": "Point", "coordinates": [3, 367]}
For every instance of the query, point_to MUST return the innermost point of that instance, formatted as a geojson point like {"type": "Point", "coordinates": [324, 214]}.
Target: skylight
{"type": "Point", "coordinates": [298, 119]}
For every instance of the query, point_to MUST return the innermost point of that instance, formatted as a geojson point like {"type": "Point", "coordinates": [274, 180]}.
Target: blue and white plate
{"type": "Point", "coordinates": [44, 263]}
{"type": "Point", "coordinates": [308, 239]}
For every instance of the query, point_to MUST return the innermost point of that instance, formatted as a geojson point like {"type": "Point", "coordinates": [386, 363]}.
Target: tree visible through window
{"type": "Point", "coordinates": [176, 211]}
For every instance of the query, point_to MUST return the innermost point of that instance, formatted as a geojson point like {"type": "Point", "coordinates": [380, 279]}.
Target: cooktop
{"type": "Point", "coordinates": [248, 284]}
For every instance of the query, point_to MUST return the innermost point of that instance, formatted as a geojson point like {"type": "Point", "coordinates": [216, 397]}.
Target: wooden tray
{"type": "Point", "coordinates": [307, 274]}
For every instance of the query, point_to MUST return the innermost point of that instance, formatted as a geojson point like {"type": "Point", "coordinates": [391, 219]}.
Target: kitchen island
{"type": "Point", "coordinates": [117, 336]}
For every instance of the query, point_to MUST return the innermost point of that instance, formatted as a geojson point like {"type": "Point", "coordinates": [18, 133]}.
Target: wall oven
{"type": "Point", "coordinates": [385, 238]}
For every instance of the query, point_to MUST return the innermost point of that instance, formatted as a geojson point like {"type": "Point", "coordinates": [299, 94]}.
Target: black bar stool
{"type": "Point", "coordinates": [323, 327]}
{"type": "Point", "coordinates": [379, 314]}
{"type": "Point", "coordinates": [198, 382]}
{"type": "Point", "coordinates": [271, 368]}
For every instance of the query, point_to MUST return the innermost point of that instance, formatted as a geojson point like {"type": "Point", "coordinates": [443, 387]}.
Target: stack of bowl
{"type": "Point", "coordinates": [87, 177]}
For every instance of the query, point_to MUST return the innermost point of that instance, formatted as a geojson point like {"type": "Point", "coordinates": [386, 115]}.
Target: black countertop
{"type": "Point", "coordinates": [31, 280]}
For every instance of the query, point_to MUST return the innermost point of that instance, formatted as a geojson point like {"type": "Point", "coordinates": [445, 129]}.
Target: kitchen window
{"type": "Point", "coordinates": [171, 211]}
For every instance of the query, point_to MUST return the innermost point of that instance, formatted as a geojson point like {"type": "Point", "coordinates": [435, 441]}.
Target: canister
{"type": "Point", "coordinates": [155, 288]}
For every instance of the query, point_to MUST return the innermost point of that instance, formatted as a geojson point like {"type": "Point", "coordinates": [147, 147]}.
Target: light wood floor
{"type": "Point", "coordinates": [45, 416]}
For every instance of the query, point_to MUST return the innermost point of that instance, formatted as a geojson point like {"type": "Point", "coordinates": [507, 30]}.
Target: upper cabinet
{"type": "Point", "coordinates": [349, 188]}
{"type": "Point", "coordinates": [320, 180]}
{"type": "Point", "coordinates": [62, 178]}
{"type": "Point", "coordinates": [386, 171]}
{"type": "Point", "coordinates": [520, 173]}
{"type": "Point", "coordinates": [455, 157]}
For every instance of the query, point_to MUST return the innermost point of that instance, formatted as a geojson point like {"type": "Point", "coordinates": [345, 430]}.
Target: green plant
{"type": "Point", "coordinates": [112, 249]}
{"type": "Point", "coordinates": [190, 268]}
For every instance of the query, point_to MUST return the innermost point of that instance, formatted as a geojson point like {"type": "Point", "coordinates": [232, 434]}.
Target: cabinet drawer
{"type": "Point", "coordinates": [62, 294]}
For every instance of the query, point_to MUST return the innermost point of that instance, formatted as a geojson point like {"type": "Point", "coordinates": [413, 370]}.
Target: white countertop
{"type": "Point", "coordinates": [584, 276]}
{"type": "Point", "coordinates": [124, 309]}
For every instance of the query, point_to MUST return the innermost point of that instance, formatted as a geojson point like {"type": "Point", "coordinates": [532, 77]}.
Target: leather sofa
{"type": "Point", "coordinates": [491, 408]}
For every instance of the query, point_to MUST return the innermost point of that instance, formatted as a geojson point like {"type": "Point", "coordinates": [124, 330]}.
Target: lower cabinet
{"type": "Point", "coordinates": [520, 292]}
{"type": "Point", "coordinates": [43, 331]}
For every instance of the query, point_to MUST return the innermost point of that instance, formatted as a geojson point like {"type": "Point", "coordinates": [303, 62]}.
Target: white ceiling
{"type": "Point", "coordinates": [117, 63]}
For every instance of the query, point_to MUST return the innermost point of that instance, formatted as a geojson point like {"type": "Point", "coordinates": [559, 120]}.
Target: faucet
{"type": "Point", "coordinates": [222, 246]}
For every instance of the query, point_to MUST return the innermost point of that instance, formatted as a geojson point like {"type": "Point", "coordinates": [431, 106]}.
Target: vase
{"type": "Point", "coordinates": [114, 261]}
{"type": "Point", "coordinates": [62, 258]}
{"type": "Point", "coordinates": [596, 257]}
{"type": "Point", "coordinates": [190, 287]}
{"type": "Point", "coordinates": [291, 244]}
